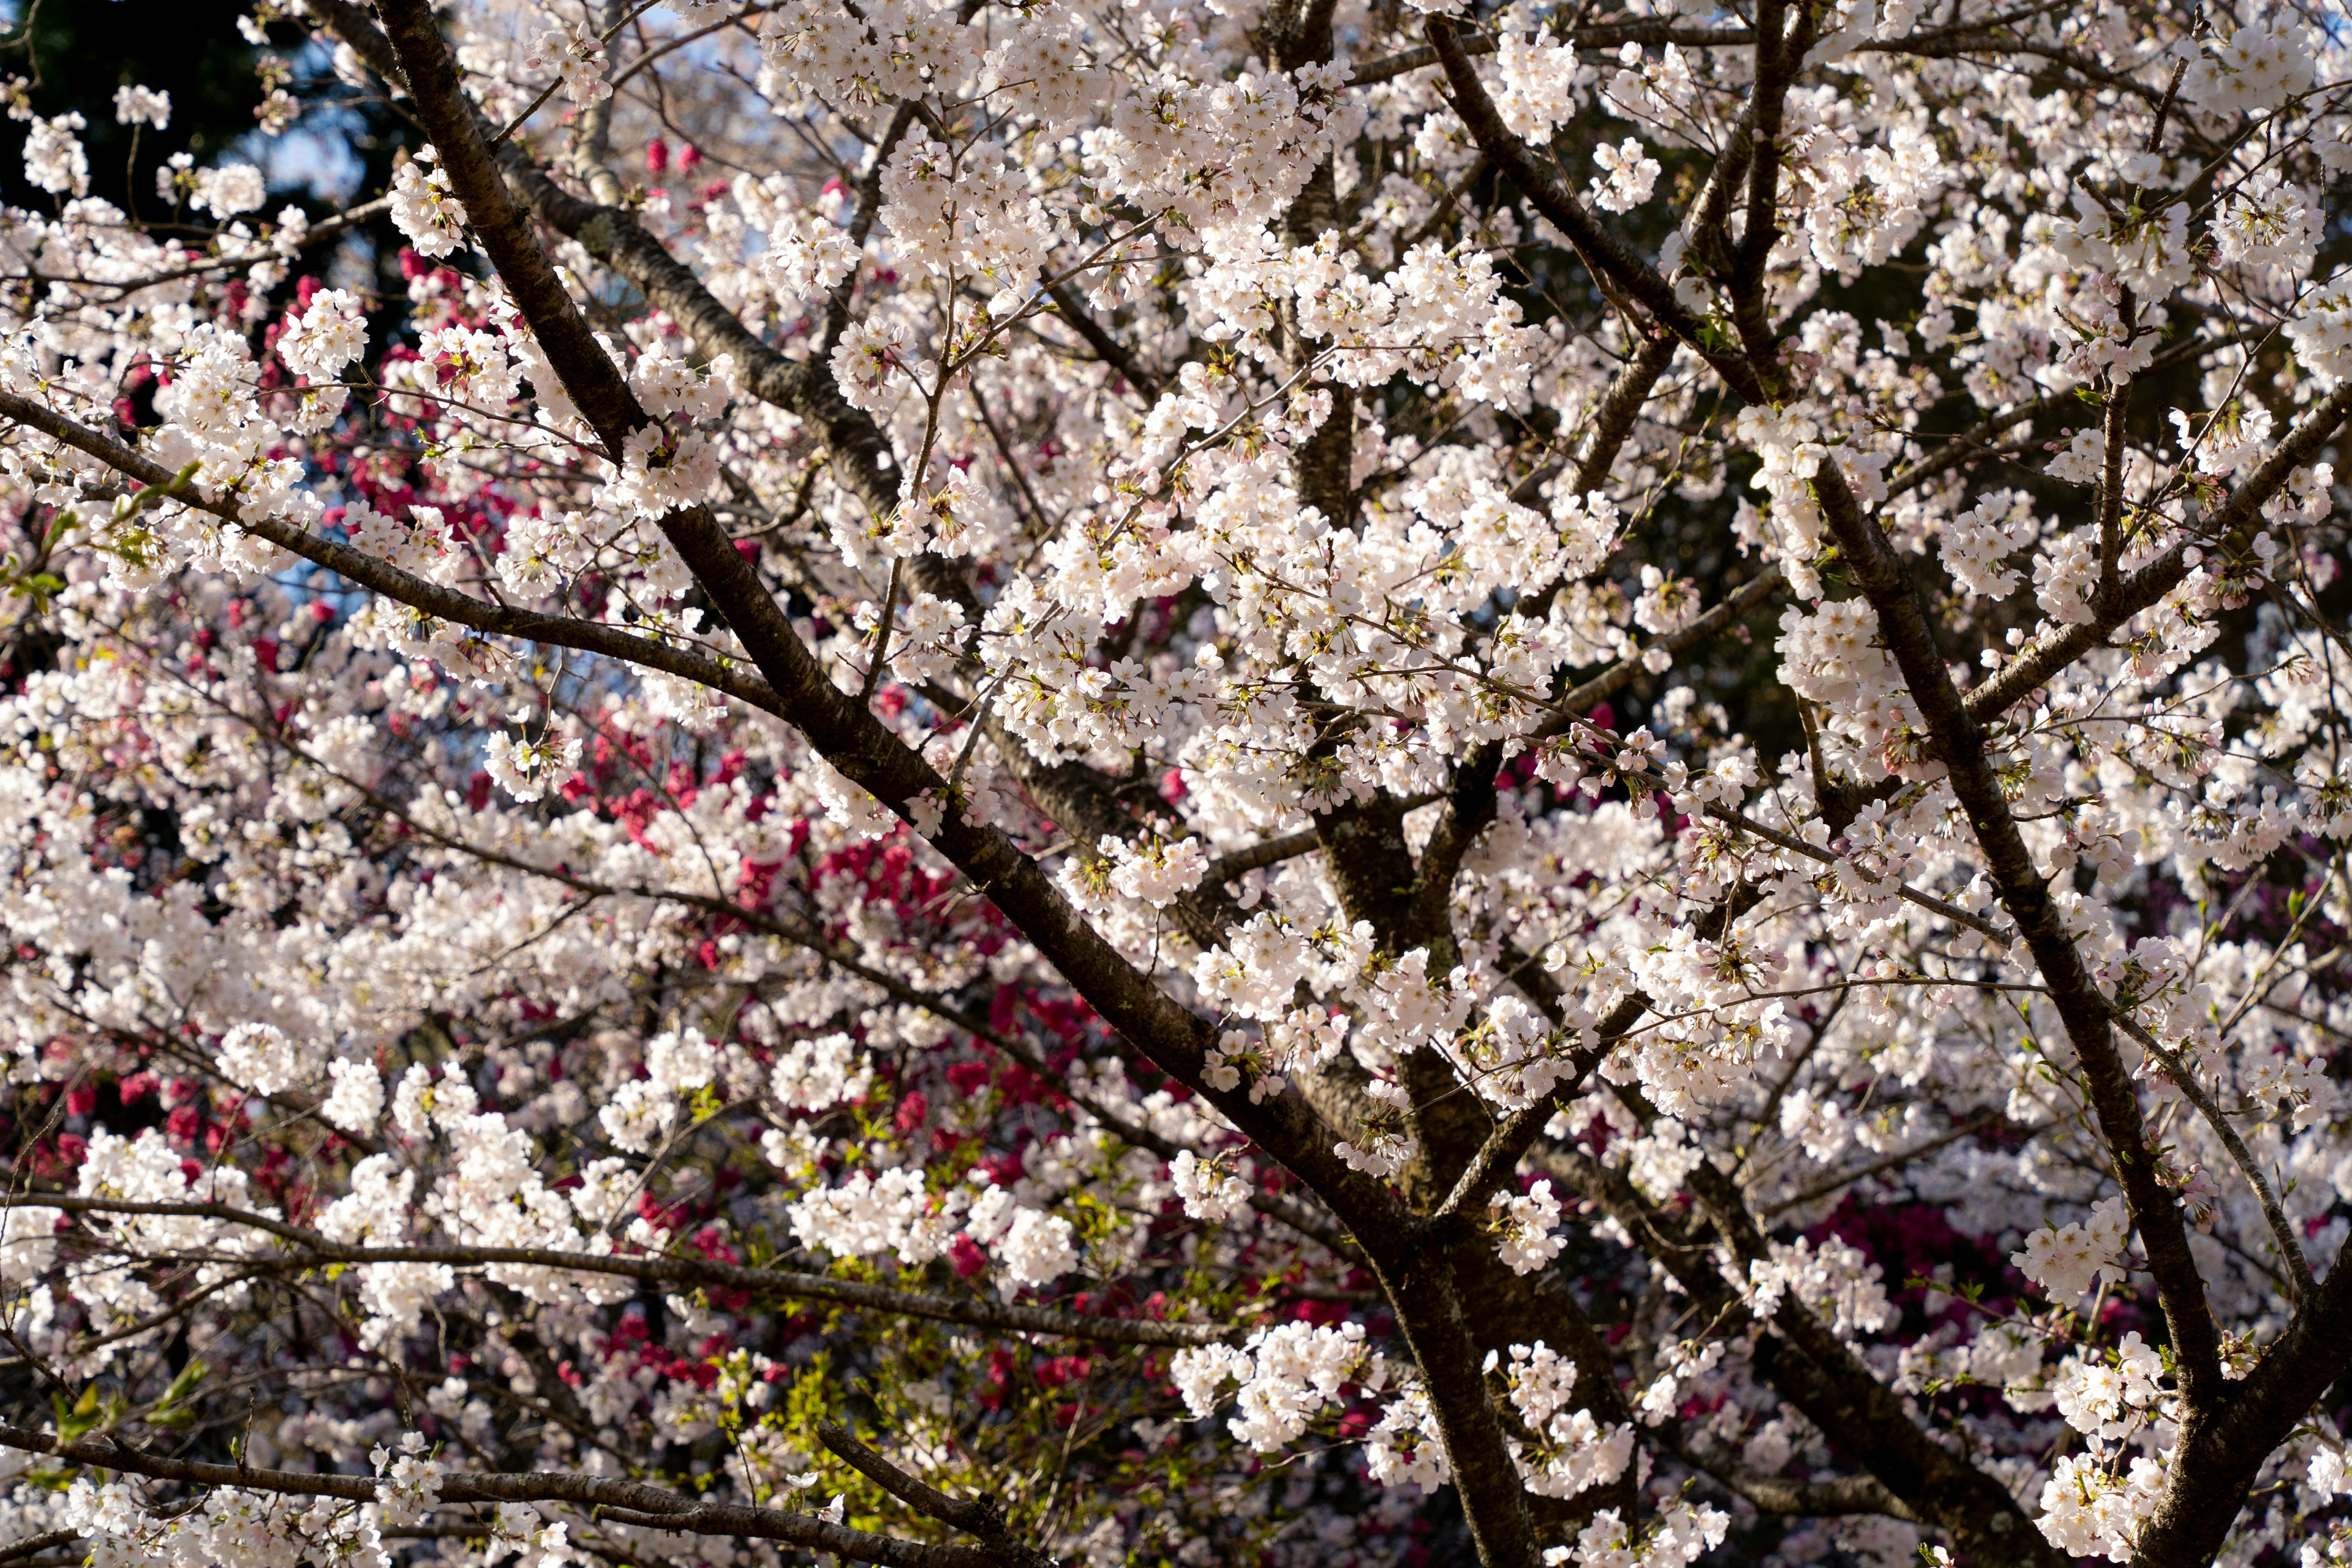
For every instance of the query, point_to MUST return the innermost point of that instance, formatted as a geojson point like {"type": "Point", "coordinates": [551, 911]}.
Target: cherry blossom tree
{"type": "Point", "coordinates": [1263, 781]}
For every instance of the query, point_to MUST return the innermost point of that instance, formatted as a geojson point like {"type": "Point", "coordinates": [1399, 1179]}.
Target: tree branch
{"type": "Point", "coordinates": [983, 1518]}
{"type": "Point", "coordinates": [665, 1510]}
{"type": "Point", "coordinates": [2281, 1231]}
{"type": "Point", "coordinates": [848, 737]}
{"type": "Point", "coordinates": [382, 577]}
{"type": "Point", "coordinates": [766, 1283]}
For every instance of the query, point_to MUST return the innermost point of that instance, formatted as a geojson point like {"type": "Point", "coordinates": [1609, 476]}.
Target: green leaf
{"type": "Point", "coordinates": [78, 1420]}
{"type": "Point", "coordinates": [171, 1409]}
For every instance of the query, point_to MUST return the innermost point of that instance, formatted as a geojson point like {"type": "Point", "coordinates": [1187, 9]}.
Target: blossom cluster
{"type": "Point", "coordinates": [1265, 760]}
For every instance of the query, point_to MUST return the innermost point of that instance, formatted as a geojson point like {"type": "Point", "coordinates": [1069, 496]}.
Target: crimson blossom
{"type": "Point", "coordinates": [1288, 782]}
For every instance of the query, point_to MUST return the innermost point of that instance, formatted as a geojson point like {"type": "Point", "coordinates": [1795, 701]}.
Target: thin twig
{"type": "Point", "coordinates": [2281, 1231]}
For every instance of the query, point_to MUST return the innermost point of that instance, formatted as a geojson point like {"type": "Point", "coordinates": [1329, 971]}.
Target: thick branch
{"type": "Point", "coordinates": [849, 737]}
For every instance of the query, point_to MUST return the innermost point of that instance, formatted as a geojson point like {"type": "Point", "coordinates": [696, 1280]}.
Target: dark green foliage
{"type": "Point", "coordinates": [77, 52]}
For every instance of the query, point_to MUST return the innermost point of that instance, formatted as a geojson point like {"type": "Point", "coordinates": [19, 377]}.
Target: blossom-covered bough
{"type": "Point", "coordinates": [913, 840]}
